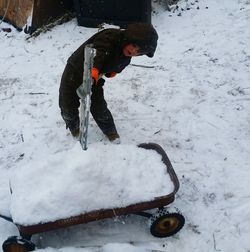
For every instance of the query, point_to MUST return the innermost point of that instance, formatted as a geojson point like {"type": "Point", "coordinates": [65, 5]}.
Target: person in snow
{"type": "Point", "coordinates": [114, 49]}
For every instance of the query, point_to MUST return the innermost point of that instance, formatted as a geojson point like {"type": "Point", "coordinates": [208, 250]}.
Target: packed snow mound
{"type": "Point", "coordinates": [73, 182]}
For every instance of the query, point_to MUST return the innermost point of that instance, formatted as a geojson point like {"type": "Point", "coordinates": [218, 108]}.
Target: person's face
{"type": "Point", "coordinates": [131, 50]}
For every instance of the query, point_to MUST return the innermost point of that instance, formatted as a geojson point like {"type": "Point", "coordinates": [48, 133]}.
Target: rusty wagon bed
{"type": "Point", "coordinates": [163, 222]}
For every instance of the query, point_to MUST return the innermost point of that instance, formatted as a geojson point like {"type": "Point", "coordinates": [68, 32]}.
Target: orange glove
{"type": "Point", "coordinates": [95, 75]}
{"type": "Point", "coordinates": [111, 75]}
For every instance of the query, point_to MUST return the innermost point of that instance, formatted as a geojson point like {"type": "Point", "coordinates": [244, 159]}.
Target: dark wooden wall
{"type": "Point", "coordinates": [46, 10]}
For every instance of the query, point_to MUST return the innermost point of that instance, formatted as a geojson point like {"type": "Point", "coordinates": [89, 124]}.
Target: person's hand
{"type": "Point", "coordinates": [111, 75]}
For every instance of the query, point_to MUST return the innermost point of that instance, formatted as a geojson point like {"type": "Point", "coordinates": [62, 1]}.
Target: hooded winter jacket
{"type": "Point", "coordinates": [109, 45]}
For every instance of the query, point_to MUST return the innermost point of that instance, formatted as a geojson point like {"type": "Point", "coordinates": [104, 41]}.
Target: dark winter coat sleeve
{"type": "Point", "coordinates": [109, 56]}
{"type": "Point", "coordinates": [103, 45]}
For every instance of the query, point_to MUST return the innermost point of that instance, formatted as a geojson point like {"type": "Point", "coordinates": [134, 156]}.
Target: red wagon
{"type": "Point", "coordinates": [163, 223]}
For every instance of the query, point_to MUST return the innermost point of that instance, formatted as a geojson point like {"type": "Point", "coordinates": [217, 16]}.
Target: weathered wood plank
{"type": "Point", "coordinates": [18, 11]}
{"type": "Point", "coordinates": [36, 12]}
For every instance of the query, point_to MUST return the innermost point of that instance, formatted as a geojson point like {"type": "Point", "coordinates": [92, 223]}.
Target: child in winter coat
{"type": "Point", "coordinates": [114, 49]}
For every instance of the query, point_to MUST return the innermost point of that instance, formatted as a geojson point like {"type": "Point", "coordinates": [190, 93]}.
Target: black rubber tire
{"type": "Point", "coordinates": [17, 244]}
{"type": "Point", "coordinates": [167, 224]}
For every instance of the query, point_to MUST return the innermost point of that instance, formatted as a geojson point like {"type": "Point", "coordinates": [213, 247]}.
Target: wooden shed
{"type": "Point", "coordinates": [32, 14]}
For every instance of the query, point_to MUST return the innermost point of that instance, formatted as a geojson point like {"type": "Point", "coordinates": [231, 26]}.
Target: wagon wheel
{"type": "Point", "coordinates": [18, 244]}
{"type": "Point", "coordinates": [167, 224]}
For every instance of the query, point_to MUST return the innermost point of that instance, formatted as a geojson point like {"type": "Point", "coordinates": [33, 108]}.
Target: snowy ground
{"type": "Point", "coordinates": [194, 102]}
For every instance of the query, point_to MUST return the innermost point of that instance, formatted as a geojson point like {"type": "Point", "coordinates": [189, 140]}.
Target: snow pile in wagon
{"type": "Point", "coordinates": [74, 182]}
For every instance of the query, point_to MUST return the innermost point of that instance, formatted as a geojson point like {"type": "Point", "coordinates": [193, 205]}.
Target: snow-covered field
{"type": "Point", "coordinates": [193, 100]}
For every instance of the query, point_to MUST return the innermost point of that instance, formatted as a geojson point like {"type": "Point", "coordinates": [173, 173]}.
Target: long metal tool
{"type": "Point", "coordinates": [84, 92]}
